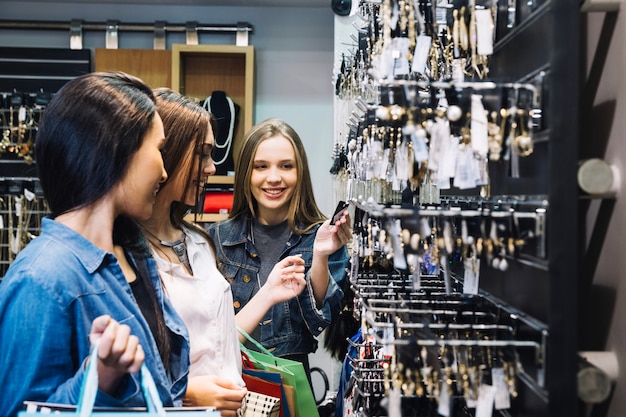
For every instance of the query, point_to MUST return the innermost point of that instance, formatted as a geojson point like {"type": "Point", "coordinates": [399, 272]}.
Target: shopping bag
{"type": "Point", "coordinates": [269, 383]}
{"type": "Point", "coordinates": [259, 405]}
{"type": "Point", "coordinates": [292, 373]}
{"type": "Point", "coordinates": [89, 389]}
{"type": "Point", "coordinates": [290, 395]}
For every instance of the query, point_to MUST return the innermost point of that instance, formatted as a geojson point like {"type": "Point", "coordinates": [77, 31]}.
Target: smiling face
{"type": "Point", "coordinates": [202, 159]}
{"type": "Point", "coordinates": [273, 179]}
{"type": "Point", "coordinates": [136, 191]}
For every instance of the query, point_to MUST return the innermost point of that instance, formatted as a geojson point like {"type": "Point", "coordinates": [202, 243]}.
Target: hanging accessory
{"type": "Point", "coordinates": [228, 141]}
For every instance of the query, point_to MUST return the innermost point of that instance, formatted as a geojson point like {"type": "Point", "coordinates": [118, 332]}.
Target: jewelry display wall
{"type": "Point", "coordinates": [21, 201]}
{"type": "Point", "coordinates": [22, 207]}
{"type": "Point", "coordinates": [29, 77]}
{"type": "Point", "coordinates": [460, 165]}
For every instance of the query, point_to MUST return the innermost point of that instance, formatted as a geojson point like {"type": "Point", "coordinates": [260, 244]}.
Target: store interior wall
{"type": "Point", "coordinates": [295, 53]}
{"type": "Point", "coordinates": [602, 314]}
{"type": "Point", "coordinates": [603, 308]}
{"type": "Point", "coordinates": [293, 69]}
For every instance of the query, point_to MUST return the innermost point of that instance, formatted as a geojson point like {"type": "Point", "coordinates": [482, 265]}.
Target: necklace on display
{"type": "Point", "coordinates": [231, 128]}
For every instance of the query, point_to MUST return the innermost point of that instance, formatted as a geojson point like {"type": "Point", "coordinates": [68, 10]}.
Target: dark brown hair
{"type": "Point", "coordinates": [186, 125]}
{"type": "Point", "coordinates": [87, 136]}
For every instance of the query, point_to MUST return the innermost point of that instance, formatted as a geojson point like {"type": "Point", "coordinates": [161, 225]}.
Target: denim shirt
{"type": "Point", "coordinates": [51, 293]}
{"type": "Point", "coordinates": [289, 327]}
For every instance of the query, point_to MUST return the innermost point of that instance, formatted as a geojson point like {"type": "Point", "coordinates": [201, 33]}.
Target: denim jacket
{"type": "Point", "coordinates": [289, 327]}
{"type": "Point", "coordinates": [49, 296]}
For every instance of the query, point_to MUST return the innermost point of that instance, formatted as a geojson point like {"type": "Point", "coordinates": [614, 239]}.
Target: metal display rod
{"type": "Point", "coordinates": [112, 27]}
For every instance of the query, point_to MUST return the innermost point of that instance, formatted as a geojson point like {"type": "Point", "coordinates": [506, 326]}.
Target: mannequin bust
{"type": "Point", "coordinates": [226, 113]}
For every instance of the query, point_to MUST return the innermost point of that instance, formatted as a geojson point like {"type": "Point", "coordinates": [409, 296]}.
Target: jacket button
{"type": "Point", "coordinates": [246, 278]}
{"type": "Point", "coordinates": [236, 304]}
{"type": "Point", "coordinates": [253, 255]}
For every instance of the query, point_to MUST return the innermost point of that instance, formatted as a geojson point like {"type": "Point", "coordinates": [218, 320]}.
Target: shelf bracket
{"type": "Point", "coordinates": [112, 38]}
{"type": "Point", "coordinates": [159, 35]}
{"type": "Point", "coordinates": [242, 34]}
{"type": "Point", "coordinates": [191, 31]}
{"type": "Point", "coordinates": [76, 34]}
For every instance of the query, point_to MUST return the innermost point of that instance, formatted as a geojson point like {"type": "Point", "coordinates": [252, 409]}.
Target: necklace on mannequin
{"type": "Point", "coordinates": [228, 141]}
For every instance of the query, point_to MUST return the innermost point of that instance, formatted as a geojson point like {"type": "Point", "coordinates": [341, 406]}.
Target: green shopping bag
{"type": "Point", "coordinates": [292, 372]}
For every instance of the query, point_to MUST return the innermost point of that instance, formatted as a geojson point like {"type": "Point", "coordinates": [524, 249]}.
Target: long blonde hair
{"type": "Point", "coordinates": [303, 210]}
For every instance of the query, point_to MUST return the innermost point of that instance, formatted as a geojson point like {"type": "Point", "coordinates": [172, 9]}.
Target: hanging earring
{"type": "Point", "coordinates": [456, 34]}
{"type": "Point", "coordinates": [463, 33]}
{"type": "Point", "coordinates": [523, 142]}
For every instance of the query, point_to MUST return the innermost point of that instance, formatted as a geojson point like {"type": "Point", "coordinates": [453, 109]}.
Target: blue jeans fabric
{"type": "Point", "coordinates": [289, 327]}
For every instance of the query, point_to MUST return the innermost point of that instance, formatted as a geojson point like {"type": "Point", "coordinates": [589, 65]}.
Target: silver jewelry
{"type": "Point", "coordinates": [180, 249]}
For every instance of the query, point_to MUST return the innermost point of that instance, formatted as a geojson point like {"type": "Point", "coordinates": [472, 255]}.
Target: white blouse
{"type": "Point", "coordinates": [204, 302]}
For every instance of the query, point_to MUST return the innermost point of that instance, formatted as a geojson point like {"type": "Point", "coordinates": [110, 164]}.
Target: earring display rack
{"type": "Point", "coordinates": [480, 332]}
{"type": "Point", "coordinates": [461, 169]}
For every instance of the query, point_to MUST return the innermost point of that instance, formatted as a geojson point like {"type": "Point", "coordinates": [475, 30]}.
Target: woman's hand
{"type": "Point", "coordinates": [286, 279]}
{"type": "Point", "coordinates": [119, 352]}
{"type": "Point", "coordinates": [329, 238]}
{"type": "Point", "coordinates": [211, 390]}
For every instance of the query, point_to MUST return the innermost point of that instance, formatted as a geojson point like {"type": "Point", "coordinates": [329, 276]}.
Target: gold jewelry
{"type": "Point", "coordinates": [463, 34]}
{"type": "Point", "coordinates": [495, 136]}
{"type": "Point", "coordinates": [456, 34]}
{"type": "Point", "coordinates": [523, 142]}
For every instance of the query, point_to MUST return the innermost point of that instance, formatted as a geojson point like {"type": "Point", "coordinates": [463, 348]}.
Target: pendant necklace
{"type": "Point", "coordinates": [180, 249]}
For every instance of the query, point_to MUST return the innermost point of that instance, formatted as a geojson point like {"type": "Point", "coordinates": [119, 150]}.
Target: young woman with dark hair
{"type": "Point", "coordinates": [98, 154]}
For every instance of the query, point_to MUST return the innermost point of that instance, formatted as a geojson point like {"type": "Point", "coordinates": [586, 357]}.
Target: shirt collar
{"type": "Point", "coordinates": [86, 252]}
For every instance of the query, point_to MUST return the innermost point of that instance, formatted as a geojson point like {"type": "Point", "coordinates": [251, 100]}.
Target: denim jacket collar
{"type": "Point", "coordinates": [86, 252]}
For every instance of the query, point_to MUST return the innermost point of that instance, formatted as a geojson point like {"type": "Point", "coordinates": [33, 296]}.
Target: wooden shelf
{"type": "Point", "coordinates": [221, 179]}
{"type": "Point", "coordinates": [195, 71]}
{"type": "Point", "coordinates": [152, 66]}
{"type": "Point", "coordinates": [198, 70]}
{"type": "Point", "coordinates": [206, 217]}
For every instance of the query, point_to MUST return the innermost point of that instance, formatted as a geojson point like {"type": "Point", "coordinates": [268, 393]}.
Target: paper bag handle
{"type": "Point", "coordinates": [89, 388]}
{"type": "Point", "coordinates": [254, 342]}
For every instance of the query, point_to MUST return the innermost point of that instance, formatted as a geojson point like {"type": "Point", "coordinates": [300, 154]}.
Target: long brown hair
{"type": "Point", "coordinates": [186, 125]}
{"type": "Point", "coordinates": [303, 210]}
